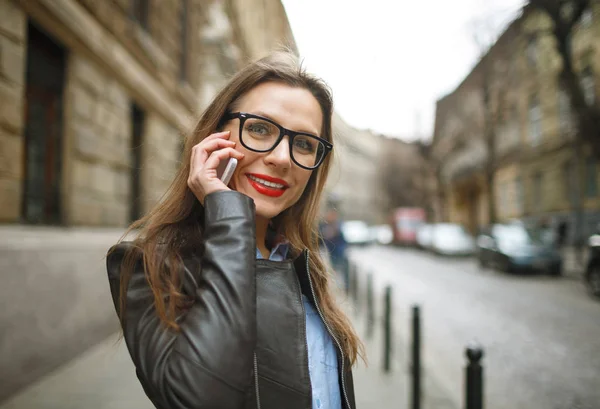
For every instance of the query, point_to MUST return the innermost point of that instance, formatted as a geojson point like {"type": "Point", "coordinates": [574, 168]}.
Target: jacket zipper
{"type": "Point", "coordinates": [328, 330]}
{"type": "Point", "coordinates": [256, 381]}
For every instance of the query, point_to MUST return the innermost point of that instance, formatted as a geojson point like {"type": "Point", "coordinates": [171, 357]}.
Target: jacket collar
{"type": "Point", "coordinates": [302, 271]}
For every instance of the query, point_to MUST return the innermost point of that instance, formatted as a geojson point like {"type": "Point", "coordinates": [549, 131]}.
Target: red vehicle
{"type": "Point", "coordinates": [405, 223]}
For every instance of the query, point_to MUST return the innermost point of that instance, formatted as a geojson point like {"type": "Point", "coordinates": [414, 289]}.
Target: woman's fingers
{"type": "Point", "coordinates": [217, 156]}
{"type": "Point", "coordinates": [217, 135]}
{"type": "Point", "coordinates": [202, 151]}
{"type": "Point", "coordinates": [205, 159]}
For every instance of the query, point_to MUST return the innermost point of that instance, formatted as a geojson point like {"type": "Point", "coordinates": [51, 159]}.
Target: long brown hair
{"type": "Point", "coordinates": [174, 226]}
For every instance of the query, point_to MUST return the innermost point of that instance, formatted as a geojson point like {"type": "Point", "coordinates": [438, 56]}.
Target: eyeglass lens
{"type": "Point", "coordinates": [262, 135]}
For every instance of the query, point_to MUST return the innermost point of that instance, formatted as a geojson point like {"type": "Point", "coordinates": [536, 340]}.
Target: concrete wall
{"type": "Point", "coordinates": [55, 301]}
{"type": "Point", "coordinates": [99, 132]}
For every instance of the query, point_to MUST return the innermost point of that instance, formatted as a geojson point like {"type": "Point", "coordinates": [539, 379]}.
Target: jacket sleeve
{"type": "Point", "coordinates": [208, 364]}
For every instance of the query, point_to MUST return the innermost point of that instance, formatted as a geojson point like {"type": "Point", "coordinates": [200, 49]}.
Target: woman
{"type": "Point", "coordinates": [223, 298]}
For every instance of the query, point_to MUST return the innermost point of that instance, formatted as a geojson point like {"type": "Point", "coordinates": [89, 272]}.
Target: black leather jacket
{"type": "Point", "coordinates": [248, 318]}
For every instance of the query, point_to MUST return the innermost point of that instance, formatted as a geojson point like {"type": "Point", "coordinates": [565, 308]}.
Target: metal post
{"type": "Point", "coordinates": [355, 285]}
{"type": "Point", "coordinates": [387, 330]}
{"type": "Point", "coordinates": [370, 307]}
{"type": "Point", "coordinates": [348, 277]}
{"type": "Point", "coordinates": [474, 377]}
{"type": "Point", "coordinates": [358, 295]}
{"type": "Point", "coordinates": [346, 273]}
{"type": "Point", "coordinates": [416, 358]}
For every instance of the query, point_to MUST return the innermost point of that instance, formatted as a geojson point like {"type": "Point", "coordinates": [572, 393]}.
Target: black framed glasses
{"type": "Point", "coordinates": [261, 134]}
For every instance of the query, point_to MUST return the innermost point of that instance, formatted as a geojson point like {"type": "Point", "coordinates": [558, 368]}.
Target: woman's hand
{"type": "Point", "coordinates": [204, 161]}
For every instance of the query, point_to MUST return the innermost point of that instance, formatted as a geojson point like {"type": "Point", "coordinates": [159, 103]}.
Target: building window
{"type": "Point", "coordinates": [564, 112]}
{"type": "Point", "coordinates": [591, 178]}
{"type": "Point", "coordinates": [138, 119]}
{"type": "Point", "coordinates": [184, 27]}
{"type": "Point", "coordinates": [586, 17]}
{"type": "Point", "coordinates": [569, 181]}
{"type": "Point", "coordinates": [531, 51]}
{"type": "Point", "coordinates": [43, 144]}
{"type": "Point", "coordinates": [535, 121]}
{"type": "Point", "coordinates": [503, 199]}
{"type": "Point", "coordinates": [588, 85]}
{"type": "Point", "coordinates": [515, 125]}
{"type": "Point", "coordinates": [520, 197]}
{"type": "Point", "coordinates": [140, 11]}
{"type": "Point", "coordinates": [537, 191]}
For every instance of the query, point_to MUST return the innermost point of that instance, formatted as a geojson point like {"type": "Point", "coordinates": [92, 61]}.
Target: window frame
{"type": "Point", "coordinates": [140, 13]}
{"type": "Point", "coordinates": [534, 114]}
{"type": "Point", "coordinates": [591, 177]}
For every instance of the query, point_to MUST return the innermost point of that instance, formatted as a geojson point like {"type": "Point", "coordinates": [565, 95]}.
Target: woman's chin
{"type": "Point", "coordinates": [264, 211]}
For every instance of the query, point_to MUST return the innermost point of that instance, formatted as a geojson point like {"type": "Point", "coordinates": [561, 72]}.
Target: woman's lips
{"type": "Point", "coordinates": [264, 189]}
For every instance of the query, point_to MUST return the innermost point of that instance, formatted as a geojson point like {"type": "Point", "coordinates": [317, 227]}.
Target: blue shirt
{"type": "Point", "coordinates": [322, 357]}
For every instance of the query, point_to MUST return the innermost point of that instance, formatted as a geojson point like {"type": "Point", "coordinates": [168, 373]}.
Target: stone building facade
{"type": "Point", "coordinates": [539, 171]}
{"type": "Point", "coordinates": [99, 93]}
{"type": "Point", "coordinates": [353, 186]}
{"type": "Point", "coordinates": [95, 97]}
{"type": "Point", "coordinates": [230, 39]}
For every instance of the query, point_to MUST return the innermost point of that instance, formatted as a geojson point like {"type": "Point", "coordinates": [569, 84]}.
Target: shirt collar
{"type": "Point", "coordinates": [279, 246]}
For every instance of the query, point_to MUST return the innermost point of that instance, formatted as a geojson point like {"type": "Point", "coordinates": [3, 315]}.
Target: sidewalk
{"type": "Point", "coordinates": [104, 378]}
{"type": "Point", "coordinates": [101, 378]}
{"type": "Point", "coordinates": [572, 268]}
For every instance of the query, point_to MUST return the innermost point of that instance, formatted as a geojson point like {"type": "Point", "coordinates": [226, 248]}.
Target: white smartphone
{"type": "Point", "coordinates": [225, 169]}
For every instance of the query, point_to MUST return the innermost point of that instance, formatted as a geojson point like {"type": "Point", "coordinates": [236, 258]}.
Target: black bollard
{"type": "Point", "coordinates": [348, 277]}
{"type": "Point", "coordinates": [346, 274]}
{"type": "Point", "coordinates": [355, 285]}
{"type": "Point", "coordinates": [370, 307]}
{"type": "Point", "coordinates": [387, 330]}
{"type": "Point", "coordinates": [474, 377]}
{"type": "Point", "coordinates": [358, 295]}
{"type": "Point", "coordinates": [416, 358]}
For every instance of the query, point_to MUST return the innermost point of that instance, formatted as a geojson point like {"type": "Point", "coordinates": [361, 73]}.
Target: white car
{"type": "Point", "coordinates": [425, 236]}
{"type": "Point", "coordinates": [452, 240]}
{"type": "Point", "coordinates": [382, 234]}
{"type": "Point", "coordinates": [356, 232]}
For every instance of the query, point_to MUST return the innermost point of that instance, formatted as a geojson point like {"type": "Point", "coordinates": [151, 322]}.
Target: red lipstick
{"type": "Point", "coordinates": [264, 189]}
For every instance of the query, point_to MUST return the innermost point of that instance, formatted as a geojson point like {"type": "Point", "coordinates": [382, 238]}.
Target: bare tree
{"type": "Point", "coordinates": [566, 16]}
{"type": "Point", "coordinates": [401, 175]}
{"type": "Point", "coordinates": [496, 78]}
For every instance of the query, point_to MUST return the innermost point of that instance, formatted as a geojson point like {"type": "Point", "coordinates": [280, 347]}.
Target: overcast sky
{"type": "Point", "coordinates": [388, 61]}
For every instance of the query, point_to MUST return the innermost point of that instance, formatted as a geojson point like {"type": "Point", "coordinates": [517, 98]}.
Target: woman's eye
{"type": "Point", "coordinates": [304, 144]}
{"type": "Point", "coordinates": [258, 129]}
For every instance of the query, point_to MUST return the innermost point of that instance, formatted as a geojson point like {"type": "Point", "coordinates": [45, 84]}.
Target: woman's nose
{"type": "Point", "coordinates": [281, 154]}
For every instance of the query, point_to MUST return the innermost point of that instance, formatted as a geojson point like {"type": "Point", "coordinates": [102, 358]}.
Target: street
{"type": "Point", "coordinates": [541, 335]}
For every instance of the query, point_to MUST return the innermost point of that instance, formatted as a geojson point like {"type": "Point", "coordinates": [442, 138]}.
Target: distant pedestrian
{"type": "Point", "coordinates": [335, 243]}
{"type": "Point", "coordinates": [561, 234]}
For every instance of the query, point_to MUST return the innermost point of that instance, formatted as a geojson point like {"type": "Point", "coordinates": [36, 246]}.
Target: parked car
{"type": "Point", "coordinates": [406, 221]}
{"type": "Point", "coordinates": [356, 232]}
{"type": "Point", "coordinates": [424, 236]}
{"type": "Point", "coordinates": [382, 234]}
{"type": "Point", "coordinates": [592, 274]}
{"type": "Point", "coordinates": [451, 240]}
{"type": "Point", "coordinates": [516, 248]}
